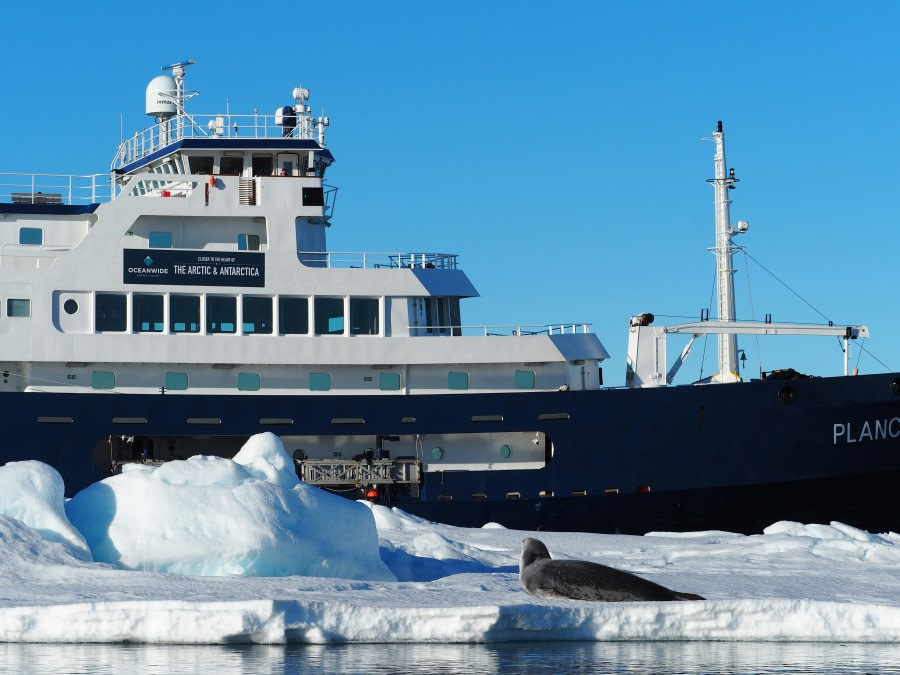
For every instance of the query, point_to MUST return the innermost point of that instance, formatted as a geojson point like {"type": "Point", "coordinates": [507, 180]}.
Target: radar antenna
{"type": "Point", "coordinates": [180, 95]}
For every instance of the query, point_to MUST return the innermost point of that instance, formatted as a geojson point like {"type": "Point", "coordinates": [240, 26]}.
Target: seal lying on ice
{"type": "Point", "coordinates": [582, 580]}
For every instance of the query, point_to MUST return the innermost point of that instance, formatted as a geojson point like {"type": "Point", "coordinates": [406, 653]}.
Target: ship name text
{"type": "Point", "coordinates": [870, 430]}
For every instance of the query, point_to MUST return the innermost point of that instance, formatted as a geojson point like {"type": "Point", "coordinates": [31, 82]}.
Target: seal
{"type": "Point", "coordinates": [544, 577]}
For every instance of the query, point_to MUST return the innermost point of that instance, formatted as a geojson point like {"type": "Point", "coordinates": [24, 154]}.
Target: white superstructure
{"type": "Point", "coordinates": [200, 266]}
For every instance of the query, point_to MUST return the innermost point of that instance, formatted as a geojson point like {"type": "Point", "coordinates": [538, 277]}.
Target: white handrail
{"type": "Point", "coordinates": [519, 330]}
{"type": "Point", "coordinates": [151, 139]}
{"type": "Point", "coordinates": [378, 259]}
{"type": "Point", "coordinates": [55, 188]}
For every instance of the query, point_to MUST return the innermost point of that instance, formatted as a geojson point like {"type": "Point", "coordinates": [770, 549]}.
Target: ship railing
{"type": "Point", "coordinates": [55, 188]}
{"type": "Point", "coordinates": [329, 196]}
{"type": "Point", "coordinates": [379, 260]}
{"type": "Point", "coordinates": [159, 184]}
{"type": "Point", "coordinates": [149, 140]}
{"type": "Point", "coordinates": [336, 472]}
{"type": "Point", "coordinates": [518, 330]}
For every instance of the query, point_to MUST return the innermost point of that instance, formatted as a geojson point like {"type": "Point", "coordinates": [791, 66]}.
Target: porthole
{"type": "Point", "coordinates": [505, 452]}
{"type": "Point", "coordinates": [895, 385]}
{"type": "Point", "coordinates": [787, 394]}
{"type": "Point", "coordinates": [437, 453]}
{"type": "Point", "coordinates": [71, 306]}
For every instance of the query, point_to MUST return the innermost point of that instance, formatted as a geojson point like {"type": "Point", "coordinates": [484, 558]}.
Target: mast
{"type": "Point", "coordinates": [178, 97]}
{"type": "Point", "coordinates": [724, 252]}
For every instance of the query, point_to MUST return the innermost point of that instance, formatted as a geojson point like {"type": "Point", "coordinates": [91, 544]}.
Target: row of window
{"type": "Point", "coordinates": [261, 165]}
{"type": "Point", "coordinates": [257, 317]}
{"type": "Point", "coordinates": [524, 379]}
{"type": "Point", "coordinates": [245, 242]}
{"type": "Point", "coordinates": [176, 381]}
{"type": "Point", "coordinates": [34, 236]}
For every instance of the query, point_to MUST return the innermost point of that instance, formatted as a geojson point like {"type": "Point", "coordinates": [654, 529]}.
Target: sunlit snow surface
{"type": "Point", "coordinates": [249, 516]}
{"type": "Point", "coordinates": [158, 530]}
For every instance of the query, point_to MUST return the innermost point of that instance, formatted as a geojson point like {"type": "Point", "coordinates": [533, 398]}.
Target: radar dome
{"type": "Point", "coordinates": [158, 105]}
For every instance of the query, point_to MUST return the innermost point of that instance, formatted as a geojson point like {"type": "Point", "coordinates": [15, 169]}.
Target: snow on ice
{"type": "Point", "coordinates": [210, 550]}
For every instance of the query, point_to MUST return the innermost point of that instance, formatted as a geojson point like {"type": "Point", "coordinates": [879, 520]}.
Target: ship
{"type": "Point", "coordinates": [186, 299]}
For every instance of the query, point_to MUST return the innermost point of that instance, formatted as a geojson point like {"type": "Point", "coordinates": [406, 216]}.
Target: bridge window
{"type": "Point", "coordinates": [248, 381]}
{"type": "Point", "coordinates": [248, 242]}
{"type": "Point", "coordinates": [455, 322]}
{"type": "Point", "coordinates": [435, 315]}
{"type": "Point", "coordinates": [110, 313]}
{"type": "Point", "coordinates": [160, 240]}
{"type": "Point", "coordinates": [363, 316]}
{"type": "Point", "coordinates": [257, 318]}
{"type": "Point", "coordinates": [177, 381]}
{"type": "Point", "coordinates": [457, 380]}
{"type": "Point", "coordinates": [18, 307]}
{"type": "Point", "coordinates": [313, 196]}
{"type": "Point", "coordinates": [221, 314]}
{"type": "Point", "coordinates": [329, 316]}
{"type": "Point", "coordinates": [31, 236]}
{"type": "Point", "coordinates": [184, 314]}
{"type": "Point", "coordinates": [200, 164]}
{"type": "Point", "coordinates": [440, 318]}
{"type": "Point", "coordinates": [429, 314]}
{"type": "Point", "coordinates": [319, 381]}
{"type": "Point", "coordinates": [231, 166]}
{"type": "Point", "coordinates": [293, 316]}
{"type": "Point", "coordinates": [147, 313]}
{"type": "Point", "coordinates": [263, 165]}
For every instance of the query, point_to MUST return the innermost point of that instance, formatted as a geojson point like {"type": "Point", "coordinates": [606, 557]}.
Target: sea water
{"type": "Point", "coordinates": [506, 658]}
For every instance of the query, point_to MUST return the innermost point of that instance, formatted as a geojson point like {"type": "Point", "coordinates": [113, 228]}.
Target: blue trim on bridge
{"type": "Point", "coordinates": [275, 144]}
{"type": "Point", "coordinates": [49, 209]}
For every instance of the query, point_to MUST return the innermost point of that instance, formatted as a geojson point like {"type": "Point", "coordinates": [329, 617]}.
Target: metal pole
{"type": "Point", "coordinates": [723, 182]}
{"type": "Point", "coordinates": [846, 355]}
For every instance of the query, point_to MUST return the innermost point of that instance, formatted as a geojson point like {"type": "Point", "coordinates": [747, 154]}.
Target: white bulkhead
{"type": "Point", "coordinates": [200, 265]}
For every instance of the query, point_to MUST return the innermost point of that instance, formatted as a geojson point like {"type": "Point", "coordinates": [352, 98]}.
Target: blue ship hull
{"type": "Point", "coordinates": [731, 457]}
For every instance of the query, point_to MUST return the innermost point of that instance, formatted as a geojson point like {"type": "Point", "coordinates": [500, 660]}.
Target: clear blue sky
{"type": "Point", "coordinates": [554, 146]}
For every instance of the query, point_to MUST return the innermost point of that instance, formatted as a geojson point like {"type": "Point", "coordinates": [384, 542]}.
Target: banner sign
{"type": "Point", "coordinates": [193, 268]}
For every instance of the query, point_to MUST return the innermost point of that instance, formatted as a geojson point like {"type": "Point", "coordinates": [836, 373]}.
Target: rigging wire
{"type": "Point", "coordinates": [774, 276]}
{"type": "Point", "coordinates": [816, 310]}
{"type": "Point", "coordinates": [752, 310]}
{"type": "Point", "coordinates": [881, 363]}
{"type": "Point", "coordinates": [712, 296]}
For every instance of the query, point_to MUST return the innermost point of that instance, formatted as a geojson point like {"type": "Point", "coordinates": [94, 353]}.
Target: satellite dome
{"type": "Point", "coordinates": [157, 105]}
